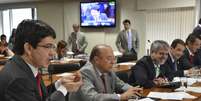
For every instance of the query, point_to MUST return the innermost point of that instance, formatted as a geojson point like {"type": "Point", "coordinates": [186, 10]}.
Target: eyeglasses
{"type": "Point", "coordinates": [48, 46]}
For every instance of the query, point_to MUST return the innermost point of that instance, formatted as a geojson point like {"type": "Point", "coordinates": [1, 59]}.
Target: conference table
{"type": "Point", "coordinates": [158, 89]}
{"type": "Point", "coordinates": [122, 67]}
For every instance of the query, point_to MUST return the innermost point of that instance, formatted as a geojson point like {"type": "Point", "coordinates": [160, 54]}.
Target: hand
{"type": "Point", "coordinates": [72, 82]}
{"type": "Point", "coordinates": [160, 80]}
{"type": "Point", "coordinates": [133, 91]}
{"type": "Point", "coordinates": [122, 51]}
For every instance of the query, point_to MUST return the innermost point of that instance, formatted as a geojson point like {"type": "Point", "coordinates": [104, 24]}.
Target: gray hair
{"type": "Point", "coordinates": [157, 45]}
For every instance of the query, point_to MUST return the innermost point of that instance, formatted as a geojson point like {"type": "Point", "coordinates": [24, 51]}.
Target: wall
{"type": "Point", "coordinates": [155, 4]}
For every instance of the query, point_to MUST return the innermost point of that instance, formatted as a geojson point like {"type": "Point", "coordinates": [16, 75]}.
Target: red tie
{"type": "Point", "coordinates": [104, 83]}
{"type": "Point", "coordinates": [38, 78]}
{"type": "Point", "coordinates": [191, 59]}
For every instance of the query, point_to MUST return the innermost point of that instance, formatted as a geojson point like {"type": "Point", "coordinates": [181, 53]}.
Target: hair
{"type": "Point", "coordinates": [157, 45]}
{"type": "Point", "coordinates": [127, 21]}
{"type": "Point", "coordinates": [96, 51]}
{"type": "Point", "coordinates": [32, 32]}
{"type": "Point", "coordinates": [176, 42]}
{"type": "Point", "coordinates": [200, 21]}
{"type": "Point", "coordinates": [192, 38]}
{"type": "Point", "coordinates": [3, 36]}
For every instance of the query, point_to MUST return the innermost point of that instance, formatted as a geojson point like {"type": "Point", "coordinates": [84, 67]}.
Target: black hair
{"type": "Point", "coordinates": [127, 21]}
{"type": "Point", "coordinates": [32, 32]}
{"type": "Point", "coordinates": [176, 42]}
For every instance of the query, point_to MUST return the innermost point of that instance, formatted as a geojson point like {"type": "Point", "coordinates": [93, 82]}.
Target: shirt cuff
{"type": "Point", "coordinates": [119, 96]}
{"type": "Point", "coordinates": [60, 87]}
{"type": "Point", "coordinates": [185, 72]}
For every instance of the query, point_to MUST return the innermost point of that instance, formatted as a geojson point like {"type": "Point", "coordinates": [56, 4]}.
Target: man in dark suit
{"type": "Point", "coordinates": [197, 29]}
{"type": "Point", "coordinates": [187, 61]}
{"type": "Point", "coordinates": [176, 51]}
{"type": "Point", "coordinates": [99, 82]}
{"type": "Point", "coordinates": [20, 78]}
{"type": "Point", "coordinates": [148, 71]}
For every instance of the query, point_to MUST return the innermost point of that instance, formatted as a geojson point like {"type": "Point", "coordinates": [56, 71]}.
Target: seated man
{"type": "Point", "coordinates": [187, 61]}
{"type": "Point", "coordinates": [61, 49]}
{"type": "Point", "coordinates": [148, 71]}
{"type": "Point", "coordinates": [99, 82]}
{"type": "Point", "coordinates": [20, 78]}
{"type": "Point", "coordinates": [176, 51]}
{"type": "Point", "coordinates": [4, 50]}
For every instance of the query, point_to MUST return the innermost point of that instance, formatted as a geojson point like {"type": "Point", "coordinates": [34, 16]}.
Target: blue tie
{"type": "Point", "coordinates": [129, 40]}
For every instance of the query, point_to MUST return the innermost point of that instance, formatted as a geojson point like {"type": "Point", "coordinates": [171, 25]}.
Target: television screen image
{"type": "Point", "coordinates": [98, 14]}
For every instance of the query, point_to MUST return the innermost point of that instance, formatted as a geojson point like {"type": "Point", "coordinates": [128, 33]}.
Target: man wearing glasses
{"type": "Point", "coordinates": [99, 82]}
{"type": "Point", "coordinates": [20, 78]}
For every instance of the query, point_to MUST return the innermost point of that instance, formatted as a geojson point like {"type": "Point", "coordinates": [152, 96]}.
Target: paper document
{"type": "Point", "coordinates": [127, 63]}
{"type": "Point", "coordinates": [64, 74]}
{"type": "Point", "coordinates": [190, 89]}
{"type": "Point", "coordinates": [171, 96]}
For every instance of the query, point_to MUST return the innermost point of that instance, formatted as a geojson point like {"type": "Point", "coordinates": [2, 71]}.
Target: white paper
{"type": "Point", "coordinates": [146, 99]}
{"type": "Point", "coordinates": [64, 74]}
{"type": "Point", "coordinates": [117, 53]}
{"type": "Point", "coordinates": [171, 96]}
{"type": "Point", "coordinates": [69, 53]}
{"type": "Point", "coordinates": [190, 89]}
{"type": "Point", "coordinates": [127, 63]}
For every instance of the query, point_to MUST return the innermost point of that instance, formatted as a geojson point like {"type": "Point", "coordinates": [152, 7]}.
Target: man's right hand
{"type": "Point", "coordinates": [133, 91]}
{"type": "Point", "coordinates": [72, 82]}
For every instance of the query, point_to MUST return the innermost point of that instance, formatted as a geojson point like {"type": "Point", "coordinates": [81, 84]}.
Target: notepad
{"type": "Point", "coordinates": [171, 96]}
{"type": "Point", "coordinates": [127, 63]}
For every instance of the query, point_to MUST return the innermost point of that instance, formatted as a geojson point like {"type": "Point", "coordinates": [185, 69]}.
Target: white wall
{"type": "Point", "coordinates": [155, 4]}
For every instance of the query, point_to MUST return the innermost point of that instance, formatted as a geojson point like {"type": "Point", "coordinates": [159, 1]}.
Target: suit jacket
{"type": "Point", "coordinates": [197, 58]}
{"type": "Point", "coordinates": [143, 73]}
{"type": "Point", "coordinates": [93, 88]}
{"type": "Point", "coordinates": [19, 84]}
{"type": "Point", "coordinates": [184, 61]}
{"type": "Point", "coordinates": [197, 30]}
{"type": "Point", "coordinates": [82, 42]}
{"type": "Point", "coordinates": [122, 43]}
{"type": "Point", "coordinates": [173, 73]}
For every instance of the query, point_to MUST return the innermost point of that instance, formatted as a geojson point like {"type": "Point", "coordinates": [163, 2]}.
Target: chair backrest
{"type": "Point", "coordinates": [61, 68]}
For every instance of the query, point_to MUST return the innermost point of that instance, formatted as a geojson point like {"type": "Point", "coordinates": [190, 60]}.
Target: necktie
{"type": "Point", "coordinates": [175, 65]}
{"type": "Point", "coordinates": [38, 79]}
{"type": "Point", "coordinates": [157, 70]}
{"type": "Point", "coordinates": [104, 83]}
{"type": "Point", "coordinates": [191, 59]}
{"type": "Point", "coordinates": [129, 40]}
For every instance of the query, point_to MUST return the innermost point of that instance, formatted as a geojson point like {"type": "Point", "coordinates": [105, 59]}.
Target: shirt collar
{"type": "Point", "coordinates": [33, 69]}
{"type": "Point", "coordinates": [171, 57]}
{"type": "Point", "coordinates": [190, 53]}
{"type": "Point", "coordinates": [199, 25]}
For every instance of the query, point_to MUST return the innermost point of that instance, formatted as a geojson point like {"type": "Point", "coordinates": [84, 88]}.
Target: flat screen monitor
{"type": "Point", "coordinates": [98, 14]}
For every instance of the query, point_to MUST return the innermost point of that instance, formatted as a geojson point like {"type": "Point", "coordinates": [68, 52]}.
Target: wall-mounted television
{"type": "Point", "coordinates": [98, 14]}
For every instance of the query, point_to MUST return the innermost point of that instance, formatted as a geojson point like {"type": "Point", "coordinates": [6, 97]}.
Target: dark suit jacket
{"type": "Point", "coordinates": [172, 72]}
{"type": "Point", "coordinates": [184, 61]}
{"type": "Point", "coordinates": [197, 30]}
{"type": "Point", "coordinates": [143, 73]}
{"type": "Point", "coordinates": [19, 84]}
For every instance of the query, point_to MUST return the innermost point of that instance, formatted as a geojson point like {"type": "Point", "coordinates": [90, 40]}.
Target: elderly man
{"type": "Point", "coordinates": [148, 71]}
{"type": "Point", "coordinates": [77, 41]}
{"type": "Point", "coordinates": [20, 78]}
{"type": "Point", "coordinates": [100, 83]}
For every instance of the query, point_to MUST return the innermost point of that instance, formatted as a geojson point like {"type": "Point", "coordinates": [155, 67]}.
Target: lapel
{"type": "Point", "coordinates": [125, 36]}
{"type": "Point", "coordinates": [98, 80]}
{"type": "Point", "coordinates": [25, 68]}
{"type": "Point", "coordinates": [151, 67]}
{"type": "Point", "coordinates": [108, 82]}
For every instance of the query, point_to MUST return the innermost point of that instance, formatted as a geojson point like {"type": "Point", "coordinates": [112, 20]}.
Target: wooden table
{"type": "Point", "coordinates": [198, 95]}
{"type": "Point", "coordinates": [118, 68]}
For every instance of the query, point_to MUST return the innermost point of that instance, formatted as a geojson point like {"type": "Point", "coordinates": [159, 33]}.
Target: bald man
{"type": "Point", "coordinates": [99, 82]}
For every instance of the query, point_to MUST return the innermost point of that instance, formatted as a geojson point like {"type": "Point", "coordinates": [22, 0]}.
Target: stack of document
{"type": "Point", "coordinates": [144, 99]}
{"type": "Point", "coordinates": [189, 89]}
{"type": "Point", "coordinates": [171, 96]}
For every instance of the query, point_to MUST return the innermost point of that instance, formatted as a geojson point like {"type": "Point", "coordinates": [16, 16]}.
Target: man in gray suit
{"type": "Point", "coordinates": [77, 40]}
{"type": "Point", "coordinates": [127, 41]}
{"type": "Point", "coordinates": [99, 82]}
